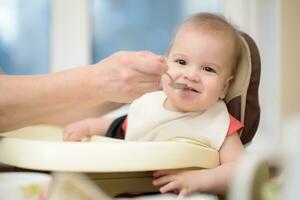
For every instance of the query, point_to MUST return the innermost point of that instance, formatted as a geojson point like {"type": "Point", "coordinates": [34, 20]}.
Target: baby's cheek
{"type": "Point", "coordinates": [176, 74]}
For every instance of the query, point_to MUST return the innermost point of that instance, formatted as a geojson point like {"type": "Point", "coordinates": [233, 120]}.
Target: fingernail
{"type": "Point", "coordinates": [67, 135]}
{"type": "Point", "coordinates": [160, 58]}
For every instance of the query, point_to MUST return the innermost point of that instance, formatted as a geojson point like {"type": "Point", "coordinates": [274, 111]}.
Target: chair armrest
{"type": "Point", "coordinates": [250, 176]}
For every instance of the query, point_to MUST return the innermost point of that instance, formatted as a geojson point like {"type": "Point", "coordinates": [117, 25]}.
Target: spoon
{"type": "Point", "coordinates": [174, 84]}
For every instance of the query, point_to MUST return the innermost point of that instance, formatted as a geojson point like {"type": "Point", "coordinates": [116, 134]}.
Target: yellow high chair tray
{"type": "Point", "coordinates": [41, 148]}
{"type": "Point", "coordinates": [117, 166]}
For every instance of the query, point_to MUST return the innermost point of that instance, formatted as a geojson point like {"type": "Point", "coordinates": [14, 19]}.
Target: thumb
{"type": "Point", "coordinates": [182, 195]}
{"type": "Point", "coordinates": [67, 134]}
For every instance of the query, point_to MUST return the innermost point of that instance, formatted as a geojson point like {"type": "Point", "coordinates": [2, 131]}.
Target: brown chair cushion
{"type": "Point", "coordinates": [245, 106]}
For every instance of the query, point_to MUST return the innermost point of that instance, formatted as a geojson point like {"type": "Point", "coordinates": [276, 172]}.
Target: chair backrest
{"type": "Point", "coordinates": [242, 98]}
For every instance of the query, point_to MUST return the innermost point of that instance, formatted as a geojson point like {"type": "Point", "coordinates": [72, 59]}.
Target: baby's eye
{"type": "Point", "coordinates": [180, 61]}
{"type": "Point", "coordinates": [209, 69]}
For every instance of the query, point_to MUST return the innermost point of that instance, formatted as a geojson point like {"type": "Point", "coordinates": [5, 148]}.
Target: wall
{"type": "Point", "coordinates": [289, 58]}
{"type": "Point", "coordinates": [70, 34]}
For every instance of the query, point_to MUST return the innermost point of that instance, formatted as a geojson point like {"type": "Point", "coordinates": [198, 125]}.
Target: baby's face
{"type": "Point", "coordinates": [201, 60]}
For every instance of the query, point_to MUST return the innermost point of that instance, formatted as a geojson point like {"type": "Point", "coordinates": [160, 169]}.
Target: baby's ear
{"type": "Point", "coordinates": [226, 86]}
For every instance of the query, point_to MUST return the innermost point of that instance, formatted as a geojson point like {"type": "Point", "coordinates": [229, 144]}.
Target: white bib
{"type": "Point", "coordinates": [149, 120]}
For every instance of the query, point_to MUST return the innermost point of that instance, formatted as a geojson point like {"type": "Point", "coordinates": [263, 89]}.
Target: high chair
{"type": "Point", "coordinates": [119, 166]}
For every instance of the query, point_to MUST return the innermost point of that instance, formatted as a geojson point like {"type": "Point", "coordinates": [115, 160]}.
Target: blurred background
{"type": "Point", "coordinates": [43, 36]}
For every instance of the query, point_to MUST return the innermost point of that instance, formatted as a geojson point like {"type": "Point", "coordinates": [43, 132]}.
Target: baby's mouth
{"type": "Point", "coordinates": [191, 89]}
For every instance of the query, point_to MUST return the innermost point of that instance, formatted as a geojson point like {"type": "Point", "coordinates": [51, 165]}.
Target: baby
{"type": "Point", "coordinates": [203, 54]}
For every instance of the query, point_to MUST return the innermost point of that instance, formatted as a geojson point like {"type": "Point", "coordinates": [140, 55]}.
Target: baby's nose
{"type": "Point", "coordinates": [192, 75]}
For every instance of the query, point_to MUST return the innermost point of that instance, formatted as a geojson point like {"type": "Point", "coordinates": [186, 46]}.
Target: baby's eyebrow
{"type": "Point", "coordinates": [178, 55]}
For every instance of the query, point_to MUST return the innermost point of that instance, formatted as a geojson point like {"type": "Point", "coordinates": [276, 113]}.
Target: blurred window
{"type": "Point", "coordinates": [24, 36]}
{"type": "Point", "coordinates": [140, 25]}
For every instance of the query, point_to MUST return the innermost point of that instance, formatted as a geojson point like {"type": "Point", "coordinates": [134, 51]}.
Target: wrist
{"type": "Point", "coordinates": [203, 181]}
{"type": "Point", "coordinates": [95, 81]}
{"type": "Point", "coordinates": [90, 84]}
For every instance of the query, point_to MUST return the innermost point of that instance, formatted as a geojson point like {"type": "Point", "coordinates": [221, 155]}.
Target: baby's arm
{"type": "Point", "coordinates": [214, 180]}
{"type": "Point", "coordinates": [85, 128]}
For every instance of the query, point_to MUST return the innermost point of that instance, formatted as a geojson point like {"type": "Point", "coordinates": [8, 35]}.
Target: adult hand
{"type": "Point", "coordinates": [124, 76]}
{"type": "Point", "coordinates": [70, 95]}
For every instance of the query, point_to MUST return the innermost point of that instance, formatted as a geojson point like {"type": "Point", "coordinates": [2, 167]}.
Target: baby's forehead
{"type": "Point", "coordinates": [220, 37]}
{"type": "Point", "coordinates": [204, 29]}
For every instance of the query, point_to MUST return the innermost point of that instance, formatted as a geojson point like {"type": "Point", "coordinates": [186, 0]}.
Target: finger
{"type": "Point", "coordinates": [164, 180]}
{"type": "Point", "coordinates": [151, 64]}
{"type": "Point", "coordinates": [69, 130]}
{"type": "Point", "coordinates": [170, 187]}
{"type": "Point", "coordinates": [182, 194]}
{"type": "Point", "coordinates": [157, 174]}
{"type": "Point", "coordinates": [66, 134]}
{"type": "Point", "coordinates": [160, 86]}
{"type": "Point", "coordinates": [77, 135]}
{"type": "Point", "coordinates": [163, 173]}
{"type": "Point", "coordinates": [148, 77]}
{"type": "Point", "coordinates": [150, 54]}
{"type": "Point", "coordinates": [148, 87]}
{"type": "Point", "coordinates": [136, 78]}
{"type": "Point", "coordinates": [160, 173]}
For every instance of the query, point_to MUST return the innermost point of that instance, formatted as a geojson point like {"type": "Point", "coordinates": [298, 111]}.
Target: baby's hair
{"type": "Point", "coordinates": [218, 24]}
